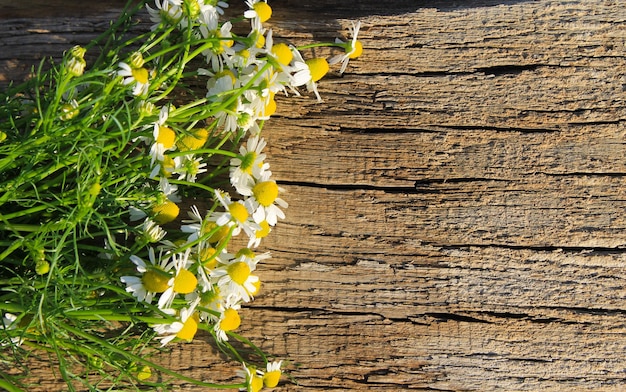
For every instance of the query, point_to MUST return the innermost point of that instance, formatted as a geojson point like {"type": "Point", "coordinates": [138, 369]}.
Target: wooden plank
{"type": "Point", "coordinates": [456, 202]}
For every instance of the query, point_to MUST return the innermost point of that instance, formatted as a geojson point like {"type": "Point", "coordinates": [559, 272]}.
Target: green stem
{"type": "Point", "coordinates": [10, 387]}
{"type": "Point", "coordinates": [135, 358]}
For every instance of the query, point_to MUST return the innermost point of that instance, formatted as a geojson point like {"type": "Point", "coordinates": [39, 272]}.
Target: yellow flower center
{"type": "Point", "coordinates": [245, 53]}
{"type": "Point", "coordinates": [239, 272]}
{"type": "Point", "coordinates": [358, 50]}
{"type": "Point", "coordinates": [231, 320]}
{"type": "Point", "coordinates": [270, 379]}
{"type": "Point", "coordinates": [318, 67]}
{"type": "Point", "coordinates": [144, 373]}
{"type": "Point", "coordinates": [207, 259]}
{"type": "Point", "coordinates": [265, 192]}
{"type": "Point", "coordinates": [165, 212]}
{"type": "Point", "coordinates": [193, 8]}
{"type": "Point", "coordinates": [167, 166]}
{"type": "Point", "coordinates": [283, 53]}
{"type": "Point", "coordinates": [166, 137]}
{"type": "Point", "coordinates": [140, 75]}
{"type": "Point", "coordinates": [185, 282]}
{"type": "Point", "coordinates": [208, 226]}
{"type": "Point", "coordinates": [260, 41]}
{"type": "Point", "coordinates": [155, 280]}
{"type": "Point", "coordinates": [256, 383]}
{"type": "Point", "coordinates": [265, 230]}
{"type": "Point", "coordinates": [238, 212]}
{"type": "Point", "coordinates": [270, 107]}
{"type": "Point", "coordinates": [263, 10]}
{"type": "Point", "coordinates": [195, 141]}
{"type": "Point", "coordinates": [189, 329]}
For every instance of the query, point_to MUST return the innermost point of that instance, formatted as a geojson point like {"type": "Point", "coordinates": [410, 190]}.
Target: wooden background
{"type": "Point", "coordinates": [457, 202]}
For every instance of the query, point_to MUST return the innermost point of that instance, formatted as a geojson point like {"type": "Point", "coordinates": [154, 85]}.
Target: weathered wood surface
{"type": "Point", "coordinates": [456, 216]}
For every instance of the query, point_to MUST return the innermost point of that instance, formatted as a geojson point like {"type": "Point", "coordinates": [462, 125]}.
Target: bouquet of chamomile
{"type": "Point", "coordinates": [100, 152]}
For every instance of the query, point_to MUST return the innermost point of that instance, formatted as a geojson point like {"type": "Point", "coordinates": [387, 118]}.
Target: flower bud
{"type": "Point", "coordinates": [136, 60]}
{"type": "Point", "coordinates": [76, 66]}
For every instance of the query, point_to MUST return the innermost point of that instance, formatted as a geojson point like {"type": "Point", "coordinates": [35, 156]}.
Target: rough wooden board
{"type": "Point", "coordinates": [456, 203]}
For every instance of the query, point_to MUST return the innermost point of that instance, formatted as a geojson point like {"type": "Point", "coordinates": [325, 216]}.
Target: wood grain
{"type": "Point", "coordinates": [456, 216]}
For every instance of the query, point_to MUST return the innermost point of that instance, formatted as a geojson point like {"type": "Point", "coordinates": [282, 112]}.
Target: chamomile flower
{"type": "Point", "coordinates": [253, 381]}
{"type": "Point", "coordinates": [164, 137]}
{"type": "Point", "coordinates": [272, 373]}
{"type": "Point", "coordinates": [164, 211]}
{"type": "Point", "coordinates": [210, 13]}
{"type": "Point", "coordinates": [353, 49]}
{"type": "Point", "coordinates": [211, 301]}
{"type": "Point", "coordinates": [281, 52]}
{"type": "Point", "coordinates": [190, 167]}
{"type": "Point", "coordinates": [318, 67]}
{"type": "Point", "coordinates": [269, 204]}
{"type": "Point", "coordinates": [265, 230]}
{"type": "Point", "coordinates": [237, 214]}
{"type": "Point", "coordinates": [221, 49]}
{"type": "Point", "coordinates": [263, 195]}
{"type": "Point", "coordinates": [183, 281]}
{"type": "Point", "coordinates": [167, 12]}
{"type": "Point", "coordinates": [235, 277]}
{"type": "Point", "coordinates": [259, 12]}
{"type": "Point", "coordinates": [194, 140]}
{"type": "Point", "coordinates": [184, 328]}
{"type": "Point", "coordinates": [198, 227]}
{"type": "Point", "coordinates": [229, 321]}
{"type": "Point", "coordinates": [298, 72]}
{"type": "Point", "coordinates": [76, 66]}
{"type": "Point", "coordinates": [154, 278]}
{"type": "Point", "coordinates": [152, 232]}
{"type": "Point", "coordinates": [136, 76]}
{"type": "Point", "coordinates": [249, 165]}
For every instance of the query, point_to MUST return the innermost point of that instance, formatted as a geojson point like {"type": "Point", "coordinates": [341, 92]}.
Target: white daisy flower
{"type": "Point", "coordinates": [259, 12]}
{"type": "Point", "coordinates": [299, 72]}
{"type": "Point", "coordinates": [210, 14]}
{"type": "Point", "coordinates": [222, 47]}
{"type": "Point", "coordinates": [249, 166]}
{"type": "Point", "coordinates": [265, 201]}
{"type": "Point", "coordinates": [154, 277]}
{"type": "Point", "coordinates": [184, 328]}
{"type": "Point", "coordinates": [237, 214]}
{"type": "Point", "coordinates": [152, 232]}
{"type": "Point", "coordinates": [229, 321]}
{"type": "Point", "coordinates": [137, 76]}
{"type": "Point", "coordinates": [183, 281]}
{"type": "Point", "coordinates": [271, 374]}
{"type": "Point", "coordinates": [253, 381]}
{"type": "Point", "coordinates": [167, 11]}
{"type": "Point", "coordinates": [235, 277]}
{"type": "Point", "coordinates": [190, 167]}
{"type": "Point", "coordinates": [164, 140]}
{"type": "Point", "coordinates": [353, 50]}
